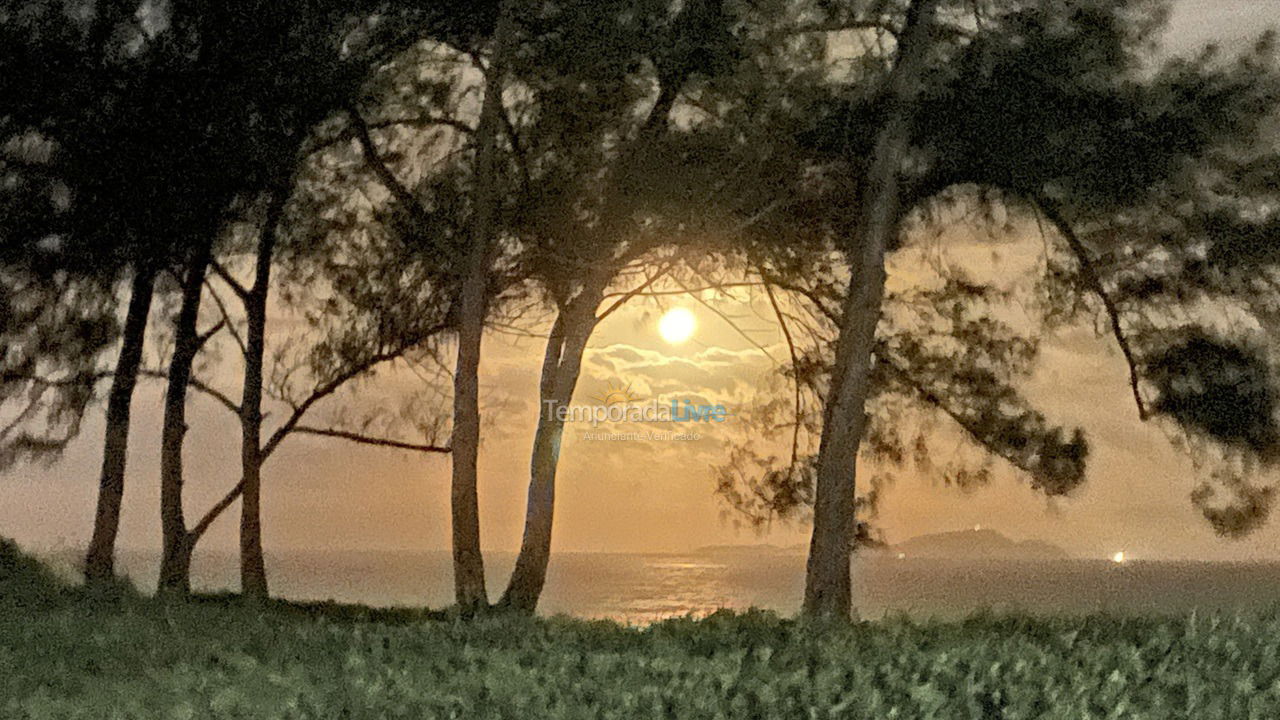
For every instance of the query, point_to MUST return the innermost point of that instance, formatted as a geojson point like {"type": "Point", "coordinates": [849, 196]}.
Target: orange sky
{"type": "Point", "coordinates": [638, 495]}
{"type": "Point", "coordinates": [652, 496]}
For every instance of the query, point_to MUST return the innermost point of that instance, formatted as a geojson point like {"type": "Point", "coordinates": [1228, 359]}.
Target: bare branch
{"type": "Point", "coordinates": [291, 425]}
{"type": "Point", "coordinates": [369, 440]}
{"type": "Point", "coordinates": [202, 387]}
{"type": "Point", "coordinates": [627, 296]}
{"type": "Point", "coordinates": [664, 293]}
{"type": "Point", "coordinates": [812, 295]}
{"type": "Point", "coordinates": [731, 322]}
{"type": "Point", "coordinates": [795, 363]}
{"type": "Point", "coordinates": [332, 386]}
{"type": "Point", "coordinates": [240, 290]}
{"type": "Point", "coordinates": [204, 337]}
{"type": "Point", "coordinates": [226, 317]}
{"type": "Point", "coordinates": [1063, 226]}
{"type": "Point", "coordinates": [201, 527]}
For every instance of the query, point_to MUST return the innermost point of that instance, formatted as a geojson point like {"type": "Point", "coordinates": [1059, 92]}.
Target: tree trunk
{"type": "Point", "coordinates": [175, 567]}
{"type": "Point", "coordinates": [99, 564]}
{"type": "Point", "coordinates": [828, 584]}
{"type": "Point", "coordinates": [253, 570]}
{"type": "Point", "coordinates": [175, 561]}
{"type": "Point", "coordinates": [561, 366]}
{"type": "Point", "coordinates": [468, 562]}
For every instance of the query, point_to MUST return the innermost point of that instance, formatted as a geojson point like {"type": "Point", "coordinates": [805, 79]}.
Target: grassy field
{"type": "Point", "coordinates": [64, 655]}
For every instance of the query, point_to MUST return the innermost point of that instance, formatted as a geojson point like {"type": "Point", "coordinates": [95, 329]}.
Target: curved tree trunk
{"type": "Point", "coordinates": [175, 561]}
{"type": "Point", "coordinates": [562, 362]}
{"type": "Point", "coordinates": [828, 583]}
{"type": "Point", "coordinates": [99, 564]}
{"type": "Point", "coordinates": [561, 366]}
{"type": "Point", "coordinates": [529, 574]}
{"type": "Point", "coordinates": [253, 568]}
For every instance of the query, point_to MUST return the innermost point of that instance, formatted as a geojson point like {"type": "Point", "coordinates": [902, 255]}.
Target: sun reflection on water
{"type": "Point", "coordinates": [675, 587]}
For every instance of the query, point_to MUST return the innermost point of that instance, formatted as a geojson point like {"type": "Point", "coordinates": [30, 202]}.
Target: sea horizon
{"type": "Point", "coordinates": [645, 587]}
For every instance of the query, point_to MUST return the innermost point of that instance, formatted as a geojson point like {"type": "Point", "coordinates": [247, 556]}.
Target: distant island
{"type": "Point", "coordinates": [976, 544]}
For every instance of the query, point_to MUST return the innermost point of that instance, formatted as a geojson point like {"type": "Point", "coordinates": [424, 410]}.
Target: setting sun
{"type": "Point", "coordinates": [677, 325]}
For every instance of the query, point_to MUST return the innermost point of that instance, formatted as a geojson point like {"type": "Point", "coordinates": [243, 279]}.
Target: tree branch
{"type": "Point", "coordinates": [795, 363]}
{"type": "Point", "coordinates": [332, 386]}
{"type": "Point", "coordinates": [226, 317]}
{"type": "Point", "coordinates": [517, 147]}
{"type": "Point", "coordinates": [627, 296]}
{"type": "Point", "coordinates": [199, 530]}
{"type": "Point", "coordinates": [936, 401]}
{"type": "Point", "coordinates": [240, 290]}
{"type": "Point", "coordinates": [204, 337]}
{"type": "Point", "coordinates": [702, 288]}
{"type": "Point", "coordinates": [200, 386]}
{"type": "Point", "coordinates": [1063, 226]}
{"type": "Point", "coordinates": [729, 320]}
{"type": "Point", "coordinates": [808, 293]}
{"type": "Point", "coordinates": [388, 178]}
{"type": "Point", "coordinates": [421, 121]}
{"type": "Point", "coordinates": [369, 440]}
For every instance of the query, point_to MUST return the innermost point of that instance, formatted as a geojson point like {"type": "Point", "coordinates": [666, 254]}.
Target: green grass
{"type": "Point", "coordinates": [25, 582]}
{"type": "Point", "coordinates": [134, 658]}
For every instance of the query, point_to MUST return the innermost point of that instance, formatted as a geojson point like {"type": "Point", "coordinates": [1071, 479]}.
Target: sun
{"type": "Point", "coordinates": [677, 325]}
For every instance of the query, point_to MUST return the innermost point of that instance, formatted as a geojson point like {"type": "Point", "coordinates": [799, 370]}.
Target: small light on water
{"type": "Point", "coordinates": [1118, 558]}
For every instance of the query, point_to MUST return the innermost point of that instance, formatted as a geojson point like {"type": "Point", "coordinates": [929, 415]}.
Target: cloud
{"type": "Point", "coordinates": [716, 374]}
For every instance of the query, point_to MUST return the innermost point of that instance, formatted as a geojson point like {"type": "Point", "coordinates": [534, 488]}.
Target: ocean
{"type": "Point", "coordinates": [641, 588]}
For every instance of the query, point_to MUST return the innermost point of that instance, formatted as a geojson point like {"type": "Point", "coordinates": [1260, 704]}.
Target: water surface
{"type": "Point", "coordinates": [642, 588]}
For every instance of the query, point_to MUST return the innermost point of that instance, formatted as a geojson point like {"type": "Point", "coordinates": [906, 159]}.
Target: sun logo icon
{"type": "Point", "coordinates": [617, 395]}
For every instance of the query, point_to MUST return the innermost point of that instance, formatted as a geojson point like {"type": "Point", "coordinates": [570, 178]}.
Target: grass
{"type": "Point", "coordinates": [75, 657]}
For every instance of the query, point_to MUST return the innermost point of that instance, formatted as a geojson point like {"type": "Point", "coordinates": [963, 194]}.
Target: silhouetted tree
{"type": "Point", "coordinates": [274, 75]}
{"type": "Point", "coordinates": [109, 154]}
{"type": "Point", "coordinates": [584, 95]}
{"type": "Point", "coordinates": [1044, 109]}
{"type": "Point", "coordinates": [169, 121]}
